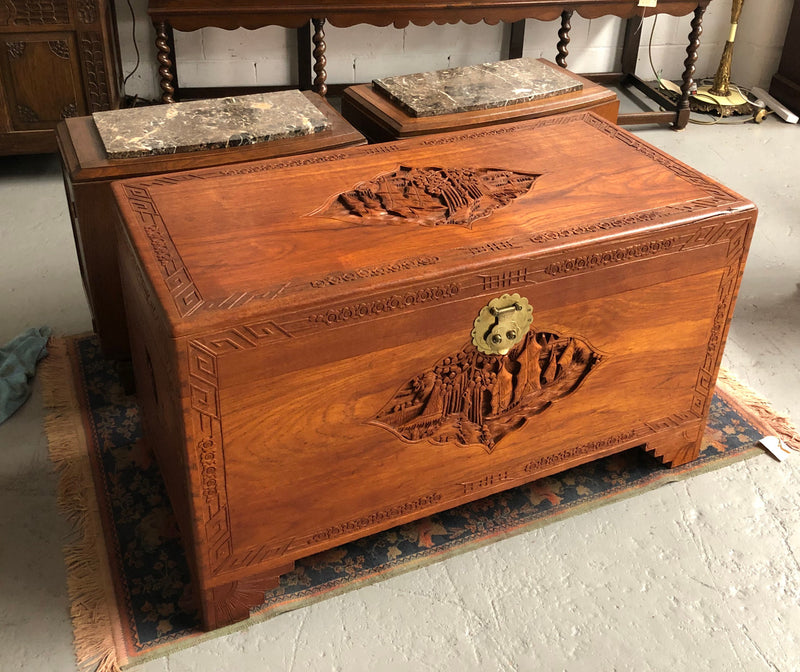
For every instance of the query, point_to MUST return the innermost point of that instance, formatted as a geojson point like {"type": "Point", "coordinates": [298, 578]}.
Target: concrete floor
{"type": "Point", "coordinates": [698, 575]}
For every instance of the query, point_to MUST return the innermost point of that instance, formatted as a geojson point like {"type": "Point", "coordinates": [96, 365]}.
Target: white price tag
{"type": "Point", "coordinates": [648, 3]}
{"type": "Point", "coordinates": [777, 447]}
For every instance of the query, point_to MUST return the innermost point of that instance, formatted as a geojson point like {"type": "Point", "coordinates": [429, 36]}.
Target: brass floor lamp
{"type": "Point", "coordinates": [720, 97]}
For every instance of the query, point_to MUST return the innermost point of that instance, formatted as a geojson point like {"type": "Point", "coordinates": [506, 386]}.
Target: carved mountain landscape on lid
{"type": "Point", "coordinates": [429, 196]}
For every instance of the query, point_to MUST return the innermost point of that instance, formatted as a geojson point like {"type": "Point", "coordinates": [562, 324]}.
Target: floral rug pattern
{"type": "Point", "coordinates": [147, 562]}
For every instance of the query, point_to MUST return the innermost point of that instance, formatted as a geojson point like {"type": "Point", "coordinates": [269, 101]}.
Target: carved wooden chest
{"type": "Point", "coordinates": [330, 345]}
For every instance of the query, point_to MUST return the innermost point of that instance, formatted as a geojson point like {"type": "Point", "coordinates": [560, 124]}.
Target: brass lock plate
{"type": "Point", "coordinates": [502, 324]}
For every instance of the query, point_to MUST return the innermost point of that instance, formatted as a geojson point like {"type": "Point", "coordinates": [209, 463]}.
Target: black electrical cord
{"type": "Point", "coordinates": [135, 46]}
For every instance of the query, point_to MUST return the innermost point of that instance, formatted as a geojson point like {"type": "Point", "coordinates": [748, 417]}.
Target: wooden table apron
{"type": "Point", "coordinates": [182, 15]}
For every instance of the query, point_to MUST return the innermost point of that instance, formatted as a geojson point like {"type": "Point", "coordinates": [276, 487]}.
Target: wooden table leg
{"type": "Point", "coordinates": [304, 56]}
{"type": "Point", "coordinates": [682, 114]}
{"type": "Point", "coordinates": [319, 57]}
{"type": "Point", "coordinates": [516, 40]}
{"type": "Point", "coordinates": [563, 38]}
{"type": "Point", "coordinates": [165, 44]}
{"type": "Point", "coordinates": [630, 45]}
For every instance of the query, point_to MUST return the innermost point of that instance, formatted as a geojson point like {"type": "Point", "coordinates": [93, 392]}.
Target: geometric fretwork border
{"type": "Point", "coordinates": [177, 279]}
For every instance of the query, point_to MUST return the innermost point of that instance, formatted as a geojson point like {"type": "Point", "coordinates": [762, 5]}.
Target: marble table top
{"type": "Point", "coordinates": [207, 124]}
{"type": "Point", "coordinates": [476, 87]}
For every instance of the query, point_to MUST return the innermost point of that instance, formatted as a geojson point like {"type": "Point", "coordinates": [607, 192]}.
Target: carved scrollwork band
{"type": "Point", "coordinates": [376, 518]}
{"type": "Point", "coordinates": [735, 234]}
{"type": "Point", "coordinates": [93, 56]}
{"type": "Point", "coordinates": [634, 218]}
{"type": "Point", "coordinates": [340, 277]}
{"type": "Point", "coordinates": [266, 167]}
{"type": "Point", "coordinates": [527, 271]}
{"type": "Point", "coordinates": [389, 304]}
{"type": "Point", "coordinates": [620, 255]}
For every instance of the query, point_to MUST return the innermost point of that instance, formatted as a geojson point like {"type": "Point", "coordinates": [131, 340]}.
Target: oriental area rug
{"type": "Point", "coordinates": [127, 575]}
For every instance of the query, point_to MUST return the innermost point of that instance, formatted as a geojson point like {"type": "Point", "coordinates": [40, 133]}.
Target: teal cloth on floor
{"type": "Point", "coordinates": [17, 365]}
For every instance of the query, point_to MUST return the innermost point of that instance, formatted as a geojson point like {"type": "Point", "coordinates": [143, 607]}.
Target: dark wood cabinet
{"type": "Point", "coordinates": [785, 85]}
{"type": "Point", "coordinates": [58, 59]}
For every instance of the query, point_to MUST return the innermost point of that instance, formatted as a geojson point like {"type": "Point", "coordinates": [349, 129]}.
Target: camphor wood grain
{"type": "Point", "coordinates": [287, 354]}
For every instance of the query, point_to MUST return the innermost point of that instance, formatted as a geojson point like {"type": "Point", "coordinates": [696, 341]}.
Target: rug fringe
{"type": "Point", "coordinates": [781, 426]}
{"type": "Point", "coordinates": [87, 574]}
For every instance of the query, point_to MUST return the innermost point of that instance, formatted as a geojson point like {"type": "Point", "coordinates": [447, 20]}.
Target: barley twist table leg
{"type": "Point", "coordinates": [563, 38]}
{"type": "Point", "coordinates": [319, 57]}
{"type": "Point", "coordinates": [166, 69]}
{"type": "Point", "coordinates": [688, 74]}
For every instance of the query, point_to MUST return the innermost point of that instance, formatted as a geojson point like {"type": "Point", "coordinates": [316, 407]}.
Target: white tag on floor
{"type": "Point", "coordinates": [777, 447]}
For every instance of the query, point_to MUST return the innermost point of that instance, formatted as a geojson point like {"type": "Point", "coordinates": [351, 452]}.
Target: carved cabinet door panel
{"type": "Point", "coordinates": [29, 14]}
{"type": "Point", "coordinates": [42, 79]}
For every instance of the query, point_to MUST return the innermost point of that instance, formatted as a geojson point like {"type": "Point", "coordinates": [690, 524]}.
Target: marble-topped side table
{"type": "Point", "coordinates": [200, 125]}
{"type": "Point", "coordinates": [381, 117]}
{"type": "Point", "coordinates": [89, 172]}
{"type": "Point", "coordinates": [476, 87]}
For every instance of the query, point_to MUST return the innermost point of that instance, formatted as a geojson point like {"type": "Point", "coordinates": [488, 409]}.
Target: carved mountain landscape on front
{"type": "Point", "coordinates": [470, 398]}
{"type": "Point", "coordinates": [430, 196]}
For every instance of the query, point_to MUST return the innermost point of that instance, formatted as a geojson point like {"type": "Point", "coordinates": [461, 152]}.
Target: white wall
{"type": "Point", "coordinates": [212, 56]}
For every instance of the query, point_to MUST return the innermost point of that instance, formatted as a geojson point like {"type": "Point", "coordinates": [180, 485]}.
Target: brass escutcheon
{"type": "Point", "coordinates": [502, 324]}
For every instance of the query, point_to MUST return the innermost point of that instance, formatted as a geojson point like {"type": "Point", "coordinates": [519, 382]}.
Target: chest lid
{"type": "Point", "coordinates": [292, 236]}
